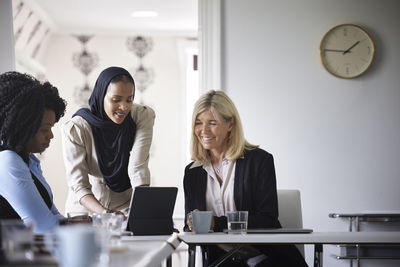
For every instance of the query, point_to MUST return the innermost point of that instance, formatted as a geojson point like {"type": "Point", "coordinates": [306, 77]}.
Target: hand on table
{"type": "Point", "coordinates": [121, 213]}
{"type": "Point", "coordinates": [189, 221]}
{"type": "Point", "coordinates": [76, 220]}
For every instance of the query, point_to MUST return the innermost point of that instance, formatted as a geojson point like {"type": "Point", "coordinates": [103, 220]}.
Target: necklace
{"type": "Point", "coordinates": [217, 170]}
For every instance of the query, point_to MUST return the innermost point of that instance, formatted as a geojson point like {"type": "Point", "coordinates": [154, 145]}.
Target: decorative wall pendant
{"type": "Point", "coordinates": [143, 77]}
{"type": "Point", "coordinates": [82, 94]}
{"type": "Point", "coordinates": [140, 46]}
{"type": "Point", "coordinates": [85, 62]}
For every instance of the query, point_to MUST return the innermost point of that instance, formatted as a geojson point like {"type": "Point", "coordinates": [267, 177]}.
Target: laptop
{"type": "Point", "coordinates": [279, 231]}
{"type": "Point", "coordinates": [151, 210]}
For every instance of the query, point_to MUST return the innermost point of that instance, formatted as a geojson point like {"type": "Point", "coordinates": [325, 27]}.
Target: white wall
{"type": "Point", "coordinates": [336, 140]}
{"type": "Point", "coordinates": [164, 95]}
{"type": "Point", "coordinates": [7, 62]}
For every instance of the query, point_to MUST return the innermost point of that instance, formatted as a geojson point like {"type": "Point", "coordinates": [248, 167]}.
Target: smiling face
{"type": "Point", "coordinates": [41, 140]}
{"type": "Point", "coordinates": [118, 101]}
{"type": "Point", "coordinates": [212, 133]}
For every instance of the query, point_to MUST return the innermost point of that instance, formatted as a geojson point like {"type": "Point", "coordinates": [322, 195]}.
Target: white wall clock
{"type": "Point", "coordinates": [347, 51]}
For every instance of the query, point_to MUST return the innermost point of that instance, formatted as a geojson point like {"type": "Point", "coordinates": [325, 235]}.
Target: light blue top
{"type": "Point", "coordinates": [18, 188]}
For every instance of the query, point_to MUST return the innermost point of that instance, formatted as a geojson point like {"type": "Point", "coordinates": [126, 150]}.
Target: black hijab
{"type": "Point", "coordinates": [113, 141]}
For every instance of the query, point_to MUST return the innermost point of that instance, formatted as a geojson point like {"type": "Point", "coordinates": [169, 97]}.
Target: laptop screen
{"type": "Point", "coordinates": [151, 210]}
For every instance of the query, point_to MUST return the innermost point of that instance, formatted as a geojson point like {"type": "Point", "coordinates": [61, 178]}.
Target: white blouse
{"type": "Point", "coordinates": [219, 198]}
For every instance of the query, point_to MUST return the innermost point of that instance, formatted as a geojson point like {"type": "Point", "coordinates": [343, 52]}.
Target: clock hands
{"type": "Point", "coordinates": [351, 47]}
{"type": "Point", "coordinates": [335, 50]}
{"type": "Point", "coordinates": [343, 51]}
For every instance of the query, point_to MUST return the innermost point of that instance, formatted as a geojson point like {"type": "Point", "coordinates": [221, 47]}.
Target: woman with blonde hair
{"type": "Point", "coordinates": [230, 174]}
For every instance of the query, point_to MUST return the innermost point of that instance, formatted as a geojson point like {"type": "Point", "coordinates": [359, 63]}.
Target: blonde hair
{"type": "Point", "coordinates": [224, 111]}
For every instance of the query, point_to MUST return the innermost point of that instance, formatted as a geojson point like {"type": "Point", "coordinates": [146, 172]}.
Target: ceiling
{"type": "Point", "coordinates": [178, 17]}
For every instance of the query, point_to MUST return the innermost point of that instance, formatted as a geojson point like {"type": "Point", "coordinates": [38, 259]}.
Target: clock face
{"type": "Point", "coordinates": [347, 51]}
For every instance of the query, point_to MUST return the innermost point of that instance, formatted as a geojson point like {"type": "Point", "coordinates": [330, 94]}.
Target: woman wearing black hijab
{"type": "Point", "coordinates": [106, 148]}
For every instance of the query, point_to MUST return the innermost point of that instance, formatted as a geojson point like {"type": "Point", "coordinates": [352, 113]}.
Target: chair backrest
{"type": "Point", "coordinates": [289, 206]}
{"type": "Point", "coordinates": [290, 215]}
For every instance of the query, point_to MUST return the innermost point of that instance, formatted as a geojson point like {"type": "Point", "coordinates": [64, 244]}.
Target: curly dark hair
{"type": "Point", "coordinates": [53, 101]}
{"type": "Point", "coordinates": [23, 100]}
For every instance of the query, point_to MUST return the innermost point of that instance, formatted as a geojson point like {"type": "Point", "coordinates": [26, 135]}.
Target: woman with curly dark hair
{"type": "Point", "coordinates": [28, 111]}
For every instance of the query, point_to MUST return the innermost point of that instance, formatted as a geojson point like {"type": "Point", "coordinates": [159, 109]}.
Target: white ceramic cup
{"type": "Point", "coordinates": [76, 246]}
{"type": "Point", "coordinates": [201, 221]}
{"type": "Point", "coordinates": [237, 221]}
{"type": "Point", "coordinates": [17, 240]}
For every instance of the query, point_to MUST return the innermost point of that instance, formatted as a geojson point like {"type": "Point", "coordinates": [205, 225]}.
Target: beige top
{"type": "Point", "coordinates": [82, 171]}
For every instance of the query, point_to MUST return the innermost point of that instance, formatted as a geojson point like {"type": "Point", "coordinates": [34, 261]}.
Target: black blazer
{"type": "Point", "coordinates": [254, 190]}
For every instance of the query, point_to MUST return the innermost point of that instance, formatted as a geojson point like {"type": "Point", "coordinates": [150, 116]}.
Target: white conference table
{"type": "Point", "coordinates": [318, 239]}
{"type": "Point", "coordinates": [143, 251]}
{"type": "Point", "coordinates": [129, 251]}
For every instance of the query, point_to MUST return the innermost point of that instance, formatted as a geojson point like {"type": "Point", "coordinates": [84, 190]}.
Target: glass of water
{"type": "Point", "coordinates": [237, 222]}
{"type": "Point", "coordinates": [110, 221]}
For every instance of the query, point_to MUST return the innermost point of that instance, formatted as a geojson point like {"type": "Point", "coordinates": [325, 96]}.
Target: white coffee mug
{"type": "Point", "coordinates": [76, 246]}
{"type": "Point", "coordinates": [201, 221]}
{"type": "Point", "coordinates": [17, 240]}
